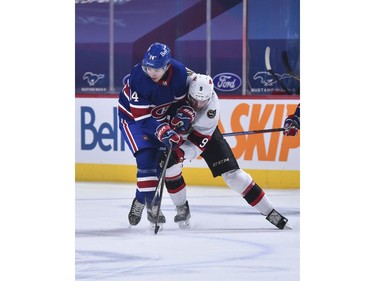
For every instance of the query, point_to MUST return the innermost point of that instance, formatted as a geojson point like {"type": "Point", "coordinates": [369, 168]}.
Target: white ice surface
{"type": "Point", "coordinates": [228, 240]}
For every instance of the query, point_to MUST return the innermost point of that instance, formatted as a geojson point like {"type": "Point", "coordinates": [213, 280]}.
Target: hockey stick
{"type": "Point", "coordinates": [253, 132]}
{"type": "Point", "coordinates": [159, 189]}
{"type": "Point", "coordinates": [269, 69]}
{"type": "Point", "coordinates": [284, 57]}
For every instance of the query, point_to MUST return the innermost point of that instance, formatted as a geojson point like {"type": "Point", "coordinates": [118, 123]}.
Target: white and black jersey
{"type": "Point", "coordinates": [205, 140]}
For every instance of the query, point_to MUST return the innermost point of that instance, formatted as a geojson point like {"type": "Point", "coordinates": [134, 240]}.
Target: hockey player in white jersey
{"type": "Point", "coordinates": [197, 123]}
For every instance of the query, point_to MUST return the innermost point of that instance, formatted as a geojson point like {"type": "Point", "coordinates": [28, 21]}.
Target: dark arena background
{"type": "Point", "coordinates": [226, 39]}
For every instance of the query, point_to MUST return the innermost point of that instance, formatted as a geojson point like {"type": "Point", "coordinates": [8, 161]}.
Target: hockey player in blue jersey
{"type": "Point", "coordinates": [154, 85]}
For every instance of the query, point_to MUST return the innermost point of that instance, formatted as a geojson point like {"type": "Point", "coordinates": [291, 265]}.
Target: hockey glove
{"type": "Point", "coordinates": [177, 156]}
{"type": "Point", "coordinates": [181, 122]}
{"type": "Point", "coordinates": [166, 135]}
{"type": "Point", "coordinates": [291, 125]}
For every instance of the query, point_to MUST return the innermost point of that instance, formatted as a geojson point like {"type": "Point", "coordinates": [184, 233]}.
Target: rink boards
{"type": "Point", "coordinates": [271, 158]}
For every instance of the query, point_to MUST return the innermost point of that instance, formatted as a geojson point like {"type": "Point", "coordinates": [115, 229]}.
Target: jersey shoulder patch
{"type": "Point", "coordinates": [211, 113]}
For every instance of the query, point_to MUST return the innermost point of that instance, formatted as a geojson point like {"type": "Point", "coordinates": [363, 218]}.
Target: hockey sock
{"type": "Point", "coordinates": [176, 189]}
{"type": "Point", "coordinates": [256, 197]}
{"type": "Point", "coordinates": [142, 197]}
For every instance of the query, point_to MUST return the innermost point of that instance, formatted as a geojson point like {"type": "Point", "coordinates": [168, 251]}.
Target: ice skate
{"type": "Point", "coordinates": [183, 216]}
{"type": "Point", "coordinates": [278, 220]}
{"type": "Point", "coordinates": [151, 216]}
{"type": "Point", "coordinates": [135, 213]}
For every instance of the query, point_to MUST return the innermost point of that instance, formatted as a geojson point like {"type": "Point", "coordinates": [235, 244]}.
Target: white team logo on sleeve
{"type": "Point", "coordinates": [211, 113]}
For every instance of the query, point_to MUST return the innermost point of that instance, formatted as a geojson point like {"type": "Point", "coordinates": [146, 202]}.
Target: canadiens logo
{"type": "Point", "coordinates": [160, 110]}
{"type": "Point", "coordinates": [211, 113]}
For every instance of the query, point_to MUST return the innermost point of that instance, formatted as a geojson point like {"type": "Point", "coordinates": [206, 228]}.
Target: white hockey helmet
{"type": "Point", "coordinates": [200, 90]}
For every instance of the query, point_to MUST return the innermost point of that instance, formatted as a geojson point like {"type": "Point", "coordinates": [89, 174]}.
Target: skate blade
{"type": "Point", "coordinates": [287, 227]}
{"type": "Point", "coordinates": [152, 226]}
{"type": "Point", "coordinates": [131, 225]}
{"type": "Point", "coordinates": [184, 224]}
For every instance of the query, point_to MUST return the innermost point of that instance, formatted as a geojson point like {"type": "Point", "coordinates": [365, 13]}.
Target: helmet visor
{"type": "Point", "coordinates": [197, 104]}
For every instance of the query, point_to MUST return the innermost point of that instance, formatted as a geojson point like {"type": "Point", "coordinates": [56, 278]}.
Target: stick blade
{"type": "Point", "coordinates": [156, 230]}
{"type": "Point", "coordinates": [285, 60]}
{"type": "Point", "coordinates": [267, 58]}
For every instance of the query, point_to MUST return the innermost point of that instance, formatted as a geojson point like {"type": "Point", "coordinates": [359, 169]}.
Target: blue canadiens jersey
{"type": "Point", "coordinates": [146, 102]}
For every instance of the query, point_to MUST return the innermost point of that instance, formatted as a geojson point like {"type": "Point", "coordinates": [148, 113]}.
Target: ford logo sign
{"type": "Point", "coordinates": [227, 82]}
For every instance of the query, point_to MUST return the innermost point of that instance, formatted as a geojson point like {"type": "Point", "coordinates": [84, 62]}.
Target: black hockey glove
{"type": "Point", "coordinates": [177, 156]}
{"type": "Point", "coordinates": [291, 125]}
